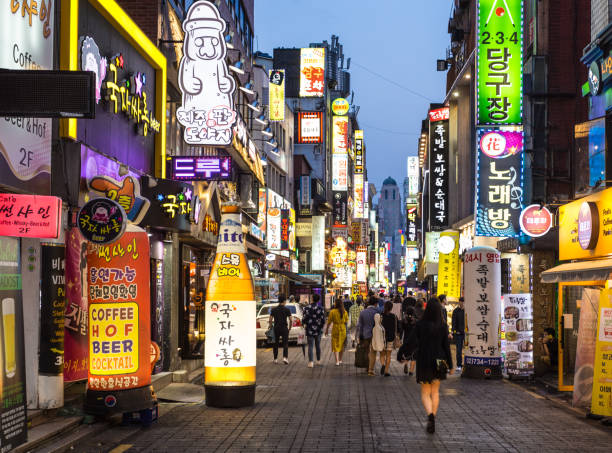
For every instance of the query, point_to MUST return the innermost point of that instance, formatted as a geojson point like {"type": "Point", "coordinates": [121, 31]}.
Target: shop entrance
{"type": "Point", "coordinates": [572, 296]}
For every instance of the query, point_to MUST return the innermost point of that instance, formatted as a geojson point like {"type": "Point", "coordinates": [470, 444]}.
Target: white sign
{"type": "Point", "coordinates": [361, 266]}
{"type": "Point", "coordinates": [482, 289]}
{"type": "Point", "coordinates": [340, 172]}
{"type": "Point", "coordinates": [303, 229]}
{"type": "Point", "coordinates": [275, 204]}
{"type": "Point", "coordinates": [318, 243]}
{"type": "Point", "coordinates": [208, 106]}
{"type": "Point", "coordinates": [413, 176]}
{"type": "Point", "coordinates": [517, 325]}
{"type": "Point", "coordinates": [233, 324]}
{"type": "Point", "coordinates": [27, 43]}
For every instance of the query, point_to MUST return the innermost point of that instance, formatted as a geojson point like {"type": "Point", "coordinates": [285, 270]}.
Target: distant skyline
{"type": "Point", "coordinates": [390, 43]}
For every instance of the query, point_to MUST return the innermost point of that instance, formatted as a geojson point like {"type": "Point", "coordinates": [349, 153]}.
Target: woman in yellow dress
{"type": "Point", "coordinates": [338, 318]}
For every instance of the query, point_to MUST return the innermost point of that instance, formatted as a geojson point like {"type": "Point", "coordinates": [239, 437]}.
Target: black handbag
{"type": "Point", "coordinates": [361, 356]}
{"type": "Point", "coordinates": [441, 366]}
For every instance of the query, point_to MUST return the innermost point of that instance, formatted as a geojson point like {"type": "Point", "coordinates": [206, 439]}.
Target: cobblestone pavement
{"type": "Point", "coordinates": [340, 409]}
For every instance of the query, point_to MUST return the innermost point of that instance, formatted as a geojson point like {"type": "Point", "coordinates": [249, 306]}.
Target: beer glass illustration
{"type": "Point", "coordinates": [8, 325]}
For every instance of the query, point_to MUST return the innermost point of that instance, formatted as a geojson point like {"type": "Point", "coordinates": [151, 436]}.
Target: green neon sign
{"type": "Point", "coordinates": [500, 62]}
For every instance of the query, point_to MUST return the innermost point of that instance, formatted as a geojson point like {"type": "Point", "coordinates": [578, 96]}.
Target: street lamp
{"type": "Point", "coordinates": [237, 67]}
{"type": "Point", "coordinates": [248, 88]}
{"type": "Point", "coordinates": [267, 132]}
{"type": "Point", "coordinates": [261, 119]}
{"type": "Point", "coordinates": [254, 106]}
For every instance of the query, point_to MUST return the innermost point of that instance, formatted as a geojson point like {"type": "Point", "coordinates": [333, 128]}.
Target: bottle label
{"type": "Point", "coordinates": [231, 238]}
{"type": "Point", "coordinates": [230, 334]}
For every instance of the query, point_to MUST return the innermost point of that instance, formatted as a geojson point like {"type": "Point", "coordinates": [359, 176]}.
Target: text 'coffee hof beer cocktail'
{"type": "Point", "coordinates": [230, 350]}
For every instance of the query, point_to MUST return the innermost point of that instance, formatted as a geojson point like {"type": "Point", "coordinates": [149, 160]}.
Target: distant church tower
{"type": "Point", "coordinates": [392, 221]}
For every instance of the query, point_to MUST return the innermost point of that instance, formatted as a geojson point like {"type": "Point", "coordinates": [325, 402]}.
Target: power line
{"type": "Point", "coordinates": [363, 125]}
{"type": "Point", "coordinates": [416, 93]}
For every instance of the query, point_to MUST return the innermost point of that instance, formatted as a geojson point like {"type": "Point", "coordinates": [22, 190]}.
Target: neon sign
{"type": "Point", "coordinates": [209, 168]}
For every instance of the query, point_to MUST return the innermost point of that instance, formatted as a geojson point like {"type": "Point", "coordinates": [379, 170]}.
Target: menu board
{"type": "Point", "coordinates": [517, 325]}
{"type": "Point", "coordinates": [601, 403]}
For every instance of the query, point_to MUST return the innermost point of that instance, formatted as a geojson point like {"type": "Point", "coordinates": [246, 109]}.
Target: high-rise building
{"type": "Point", "coordinates": [391, 221]}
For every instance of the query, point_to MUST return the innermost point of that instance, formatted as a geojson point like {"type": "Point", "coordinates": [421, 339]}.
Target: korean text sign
{"type": "Point", "coordinates": [439, 166]}
{"type": "Point", "coordinates": [119, 313]}
{"type": "Point", "coordinates": [500, 183]}
{"type": "Point", "coordinates": [449, 272]}
{"type": "Point", "coordinates": [340, 134]}
{"type": "Point", "coordinates": [312, 72]}
{"type": "Point", "coordinates": [411, 225]}
{"type": "Point", "coordinates": [276, 94]}
{"type": "Point", "coordinates": [359, 151]}
{"type": "Point", "coordinates": [33, 216]}
{"type": "Point", "coordinates": [482, 282]}
{"type": "Point", "coordinates": [500, 62]}
{"type": "Point", "coordinates": [602, 374]}
{"type": "Point", "coordinates": [518, 331]}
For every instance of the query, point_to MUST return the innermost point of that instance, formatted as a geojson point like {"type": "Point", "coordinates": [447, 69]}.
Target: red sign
{"type": "Point", "coordinates": [32, 216]}
{"type": "Point", "coordinates": [535, 221]}
{"type": "Point", "coordinates": [284, 229]}
{"type": "Point", "coordinates": [439, 114]}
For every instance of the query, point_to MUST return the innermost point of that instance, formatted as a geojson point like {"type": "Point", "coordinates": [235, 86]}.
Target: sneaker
{"type": "Point", "coordinates": [286, 360]}
{"type": "Point", "coordinates": [275, 360]}
{"type": "Point", "coordinates": [458, 368]}
{"type": "Point", "coordinates": [310, 364]}
{"type": "Point", "coordinates": [337, 363]}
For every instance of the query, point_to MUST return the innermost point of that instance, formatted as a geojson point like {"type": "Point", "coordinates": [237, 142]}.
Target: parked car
{"type": "Point", "coordinates": [263, 317]}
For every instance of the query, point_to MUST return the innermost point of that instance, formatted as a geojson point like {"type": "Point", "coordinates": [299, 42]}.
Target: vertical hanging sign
{"type": "Point", "coordinates": [500, 62]}
{"type": "Point", "coordinates": [312, 72]}
{"type": "Point", "coordinates": [439, 168]}
{"type": "Point", "coordinates": [52, 309]}
{"type": "Point", "coordinates": [500, 183]}
{"type": "Point", "coordinates": [358, 152]}
{"type": "Point", "coordinates": [276, 93]}
{"type": "Point", "coordinates": [449, 272]}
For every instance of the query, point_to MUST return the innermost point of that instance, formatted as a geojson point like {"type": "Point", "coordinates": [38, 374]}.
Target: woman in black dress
{"type": "Point", "coordinates": [433, 346]}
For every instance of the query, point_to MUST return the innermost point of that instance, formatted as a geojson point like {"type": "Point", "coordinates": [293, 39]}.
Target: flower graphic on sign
{"type": "Point", "coordinates": [500, 144]}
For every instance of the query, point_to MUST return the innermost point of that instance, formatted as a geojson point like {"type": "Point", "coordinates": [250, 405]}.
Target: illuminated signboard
{"type": "Point", "coordinates": [359, 207]}
{"type": "Point", "coordinates": [500, 183]}
{"type": "Point", "coordinates": [500, 62]}
{"type": "Point", "coordinates": [449, 273]}
{"type": "Point", "coordinates": [317, 257]}
{"type": "Point", "coordinates": [413, 176]}
{"type": "Point", "coordinates": [206, 168]}
{"type": "Point", "coordinates": [276, 206]}
{"type": "Point", "coordinates": [102, 220]}
{"type": "Point", "coordinates": [33, 216]}
{"type": "Point", "coordinates": [358, 151]}
{"type": "Point", "coordinates": [276, 94]}
{"type": "Point", "coordinates": [411, 225]}
{"type": "Point", "coordinates": [340, 106]}
{"type": "Point", "coordinates": [284, 229]}
{"type": "Point", "coordinates": [123, 90]}
{"type": "Point", "coordinates": [208, 107]}
{"type": "Point", "coordinates": [310, 127]}
{"type": "Point", "coordinates": [305, 195]}
{"type": "Point", "coordinates": [361, 262]}
{"type": "Point", "coordinates": [340, 134]}
{"type": "Point", "coordinates": [340, 209]}
{"type": "Point", "coordinates": [339, 172]}
{"type": "Point", "coordinates": [312, 72]}
{"type": "Point", "coordinates": [439, 167]}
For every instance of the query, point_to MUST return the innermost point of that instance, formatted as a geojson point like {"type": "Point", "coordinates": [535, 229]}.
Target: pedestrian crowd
{"type": "Point", "coordinates": [417, 329]}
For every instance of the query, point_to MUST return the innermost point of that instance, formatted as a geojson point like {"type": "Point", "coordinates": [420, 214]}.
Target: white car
{"type": "Point", "coordinates": [263, 316]}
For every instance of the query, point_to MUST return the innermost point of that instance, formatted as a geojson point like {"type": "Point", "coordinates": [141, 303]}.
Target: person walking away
{"type": "Point", "coordinates": [397, 311]}
{"type": "Point", "coordinates": [347, 302]}
{"type": "Point", "coordinates": [314, 320]}
{"type": "Point", "coordinates": [365, 327]}
{"type": "Point", "coordinates": [389, 323]}
{"type": "Point", "coordinates": [337, 318]}
{"type": "Point", "coordinates": [406, 353]}
{"type": "Point", "coordinates": [419, 309]}
{"type": "Point", "coordinates": [281, 316]}
{"type": "Point", "coordinates": [354, 313]}
{"type": "Point", "coordinates": [433, 358]}
{"type": "Point", "coordinates": [458, 329]}
{"type": "Point", "coordinates": [442, 299]}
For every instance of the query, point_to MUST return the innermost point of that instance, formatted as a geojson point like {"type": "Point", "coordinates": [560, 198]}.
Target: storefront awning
{"type": "Point", "coordinates": [579, 271]}
{"type": "Point", "coordinates": [295, 277]}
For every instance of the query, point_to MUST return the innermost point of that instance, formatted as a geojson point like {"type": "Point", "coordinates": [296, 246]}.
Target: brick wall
{"type": "Point", "coordinates": [146, 15]}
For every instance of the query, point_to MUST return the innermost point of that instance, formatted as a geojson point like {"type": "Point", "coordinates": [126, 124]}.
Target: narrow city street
{"type": "Point", "coordinates": [339, 409]}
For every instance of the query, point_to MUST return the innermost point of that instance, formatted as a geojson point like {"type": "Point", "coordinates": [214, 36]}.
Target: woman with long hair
{"type": "Point", "coordinates": [338, 318]}
{"type": "Point", "coordinates": [389, 322]}
{"type": "Point", "coordinates": [407, 351]}
{"type": "Point", "coordinates": [433, 358]}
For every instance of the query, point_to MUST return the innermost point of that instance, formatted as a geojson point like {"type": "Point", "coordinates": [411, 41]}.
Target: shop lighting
{"type": "Point", "coordinates": [261, 119]}
{"type": "Point", "coordinates": [272, 142]}
{"type": "Point", "coordinates": [248, 89]}
{"type": "Point", "coordinates": [456, 94]}
{"type": "Point", "coordinates": [254, 106]}
{"type": "Point", "coordinates": [228, 40]}
{"type": "Point", "coordinates": [237, 67]}
{"type": "Point", "coordinates": [263, 160]}
{"type": "Point", "coordinates": [267, 132]}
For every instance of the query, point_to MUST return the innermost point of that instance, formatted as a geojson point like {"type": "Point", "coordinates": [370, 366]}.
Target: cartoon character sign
{"type": "Point", "coordinates": [91, 60]}
{"type": "Point", "coordinates": [208, 109]}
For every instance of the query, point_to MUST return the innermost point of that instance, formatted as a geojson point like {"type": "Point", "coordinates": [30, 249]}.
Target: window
{"type": "Point", "coordinates": [394, 194]}
{"type": "Point", "coordinates": [283, 185]}
{"type": "Point", "coordinates": [386, 194]}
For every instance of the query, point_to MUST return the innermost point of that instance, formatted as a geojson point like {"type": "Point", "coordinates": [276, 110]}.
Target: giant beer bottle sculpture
{"type": "Point", "coordinates": [230, 342]}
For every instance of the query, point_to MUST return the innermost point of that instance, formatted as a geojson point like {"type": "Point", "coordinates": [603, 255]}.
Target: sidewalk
{"type": "Point", "coordinates": [334, 408]}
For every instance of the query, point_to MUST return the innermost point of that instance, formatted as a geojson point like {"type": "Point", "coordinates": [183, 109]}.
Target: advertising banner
{"type": "Point", "coordinates": [25, 143]}
{"type": "Point", "coordinates": [500, 183]}
{"type": "Point", "coordinates": [276, 92]}
{"type": "Point", "coordinates": [119, 313]}
{"type": "Point", "coordinates": [517, 341]}
{"type": "Point", "coordinates": [284, 229]}
{"type": "Point", "coordinates": [449, 270]}
{"type": "Point", "coordinates": [340, 214]}
{"type": "Point", "coordinates": [411, 225]}
{"type": "Point", "coordinates": [499, 59]}
{"type": "Point", "coordinates": [340, 172]}
{"type": "Point", "coordinates": [359, 152]}
{"type": "Point", "coordinates": [12, 358]}
{"type": "Point", "coordinates": [75, 320]}
{"type": "Point", "coordinates": [276, 204]}
{"type": "Point", "coordinates": [201, 168]}
{"type": "Point", "coordinates": [585, 348]}
{"type": "Point", "coordinates": [358, 195]}
{"type": "Point", "coordinates": [602, 374]}
{"type": "Point", "coordinates": [305, 196]}
{"type": "Point", "coordinates": [439, 166]}
{"type": "Point", "coordinates": [317, 256]}
{"type": "Point", "coordinates": [361, 261]}
{"type": "Point", "coordinates": [482, 286]}
{"type": "Point", "coordinates": [413, 176]}
{"type": "Point", "coordinates": [34, 216]}
{"type": "Point", "coordinates": [340, 134]}
{"type": "Point", "coordinates": [52, 309]}
{"type": "Point", "coordinates": [431, 246]}
{"type": "Point", "coordinates": [312, 72]}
